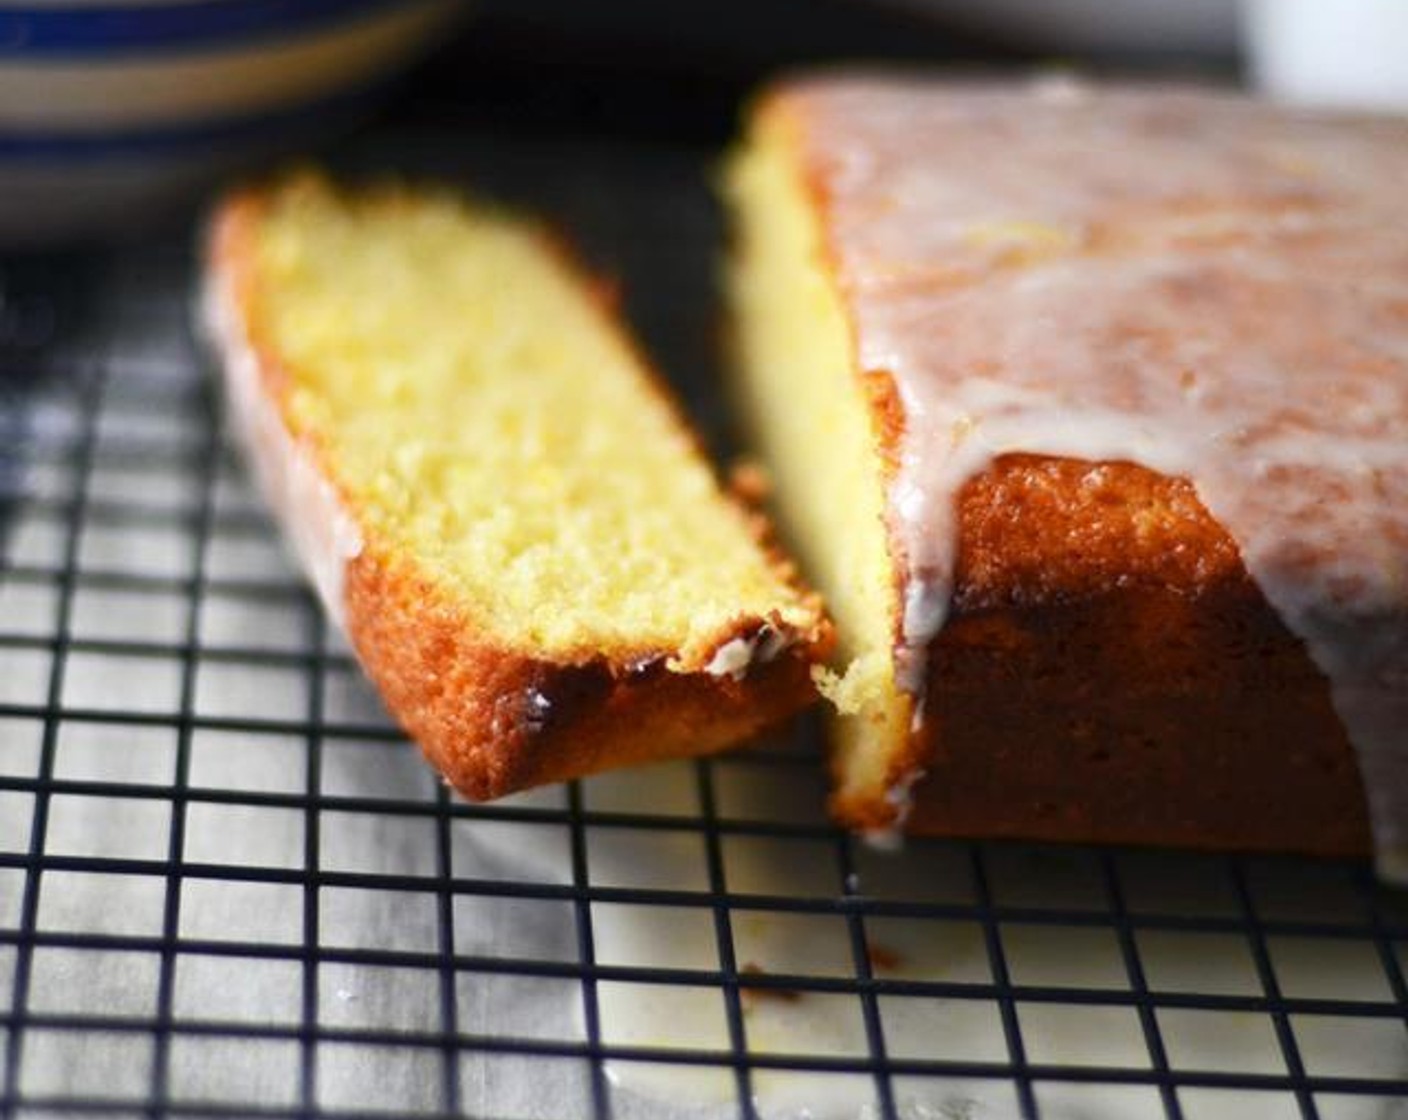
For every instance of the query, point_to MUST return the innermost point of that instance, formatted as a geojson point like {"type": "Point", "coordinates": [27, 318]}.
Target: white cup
{"type": "Point", "coordinates": [1345, 53]}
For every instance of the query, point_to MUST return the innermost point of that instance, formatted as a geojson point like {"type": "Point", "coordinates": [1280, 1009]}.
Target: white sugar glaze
{"type": "Point", "coordinates": [324, 535]}
{"type": "Point", "coordinates": [1188, 280]}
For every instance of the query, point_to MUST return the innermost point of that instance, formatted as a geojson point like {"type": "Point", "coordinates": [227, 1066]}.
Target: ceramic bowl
{"type": "Point", "coordinates": [110, 112]}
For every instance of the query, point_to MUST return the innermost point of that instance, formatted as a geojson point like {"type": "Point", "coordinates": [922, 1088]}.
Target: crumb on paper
{"type": "Point", "coordinates": [883, 959]}
{"type": "Point", "coordinates": [750, 996]}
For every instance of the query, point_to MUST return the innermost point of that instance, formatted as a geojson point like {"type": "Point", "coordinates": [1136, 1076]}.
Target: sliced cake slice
{"type": "Point", "coordinates": [494, 495]}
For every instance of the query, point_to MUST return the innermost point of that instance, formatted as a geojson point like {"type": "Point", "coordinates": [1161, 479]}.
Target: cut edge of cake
{"type": "Point", "coordinates": [822, 429]}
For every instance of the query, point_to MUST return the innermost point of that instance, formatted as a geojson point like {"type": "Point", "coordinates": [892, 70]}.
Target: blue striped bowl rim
{"type": "Point", "coordinates": [184, 139]}
{"type": "Point", "coordinates": [134, 28]}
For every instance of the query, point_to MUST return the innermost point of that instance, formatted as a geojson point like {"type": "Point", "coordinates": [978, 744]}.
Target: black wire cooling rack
{"type": "Point", "coordinates": [228, 886]}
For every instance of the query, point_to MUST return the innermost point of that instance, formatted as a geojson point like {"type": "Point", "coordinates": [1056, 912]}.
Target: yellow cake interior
{"type": "Point", "coordinates": [806, 412]}
{"type": "Point", "coordinates": [480, 410]}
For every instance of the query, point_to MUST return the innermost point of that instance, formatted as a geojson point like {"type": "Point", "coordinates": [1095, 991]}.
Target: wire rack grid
{"type": "Point", "coordinates": [228, 886]}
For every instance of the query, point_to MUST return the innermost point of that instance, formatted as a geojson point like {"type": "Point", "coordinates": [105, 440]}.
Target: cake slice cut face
{"type": "Point", "coordinates": [493, 494]}
{"type": "Point", "coordinates": [1088, 410]}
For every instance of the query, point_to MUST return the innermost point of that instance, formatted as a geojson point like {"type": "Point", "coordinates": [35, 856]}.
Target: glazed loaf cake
{"type": "Point", "coordinates": [493, 494]}
{"type": "Point", "coordinates": [1087, 409]}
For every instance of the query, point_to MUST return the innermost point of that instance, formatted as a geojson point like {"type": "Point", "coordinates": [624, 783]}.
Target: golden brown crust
{"type": "Point", "coordinates": [1039, 530]}
{"type": "Point", "coordinates": [494, 718]}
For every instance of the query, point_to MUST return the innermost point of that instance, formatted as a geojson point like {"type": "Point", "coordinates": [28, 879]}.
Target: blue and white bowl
{"type": "Point", "coordinates": [109, 111]}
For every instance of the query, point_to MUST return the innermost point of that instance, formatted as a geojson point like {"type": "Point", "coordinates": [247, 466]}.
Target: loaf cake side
{"type": "Point", "coordinates": [398, 453]}
{"type": "Point", "coordinates": [1137, 689]}
{"type": "Point", "coordinates": [1045, 292]}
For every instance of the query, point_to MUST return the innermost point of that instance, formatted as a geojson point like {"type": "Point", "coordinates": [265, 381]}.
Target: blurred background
{"type": "Point", "coordinates": [112, 112]}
